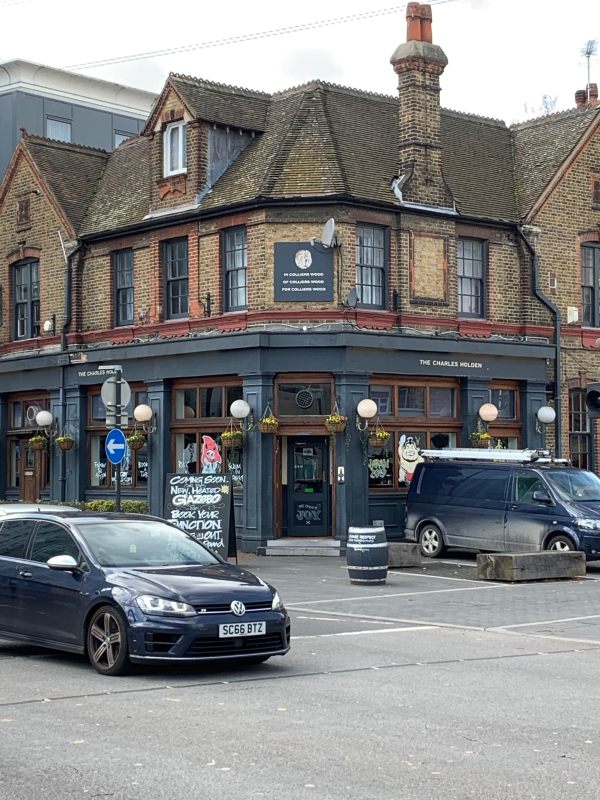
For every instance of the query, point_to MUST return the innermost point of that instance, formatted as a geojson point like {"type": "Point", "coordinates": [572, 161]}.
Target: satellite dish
{"type": "Point", "coordinates": [328, 238]}
{"type": "Point", "coordinates": [352, 299]}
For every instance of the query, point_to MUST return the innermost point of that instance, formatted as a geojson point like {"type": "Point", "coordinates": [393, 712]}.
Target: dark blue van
{"type": "Point", "coordinates": [503, 507]}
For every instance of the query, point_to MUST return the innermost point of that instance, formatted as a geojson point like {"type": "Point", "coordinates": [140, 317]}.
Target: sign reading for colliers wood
{"type": "Point", "coordinates": [303, 272]}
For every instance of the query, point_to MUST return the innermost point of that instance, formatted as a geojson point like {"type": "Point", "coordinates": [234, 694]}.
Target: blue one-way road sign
{"type": "Point", "coordinates": [115, 446]}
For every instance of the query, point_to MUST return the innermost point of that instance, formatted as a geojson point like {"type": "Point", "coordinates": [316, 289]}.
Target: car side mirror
{"type": "Point", "coordinates": [541, 496]}
{"type": "Point", "coordinates": [63, 563]}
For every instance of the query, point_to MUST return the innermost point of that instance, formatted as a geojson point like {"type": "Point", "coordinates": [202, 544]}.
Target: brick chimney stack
{"type": "Point", "coordinates": [587, 98]}
{"type": "Point", "coordinates": [580, 98]}
{"type": "Point", "coordinates": [419, 63]}
{"type": "Point", "coordinates": [593, 94]}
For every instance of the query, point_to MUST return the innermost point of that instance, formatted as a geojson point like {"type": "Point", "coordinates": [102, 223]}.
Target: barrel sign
{"type": "Point", "coordinates": [367, 555]}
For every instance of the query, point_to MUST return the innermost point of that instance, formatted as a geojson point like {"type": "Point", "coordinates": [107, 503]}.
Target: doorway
{"type": "Point", "coordinates": [26, 470]}
{"type": "Point", "coordinates": [308, 487]}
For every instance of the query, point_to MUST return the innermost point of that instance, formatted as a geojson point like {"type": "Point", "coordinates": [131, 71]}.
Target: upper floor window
{"type": "Point", "coordinates": [235, 263]}
{"type": "Point", "coordinates": [371, 258]}
{"type": "Point", "coordinates": [590, 275]}
{"type": "Point", "coordinates": [175, 148]}
{"type": "Point", "coordinates": [26, 300]}
{"type": "Point", "coordinates": [471, 266]}
{"type": "Point", "coordinates": [59, 129]}
{"type": "Point", "coordinates": [580, 437]}
{"type": "Point", "coordinates": [175, 272]}
{"type": "Point", "coordinates": [596, 191]}
{"type": "Point", "coordinates": [123, 283]}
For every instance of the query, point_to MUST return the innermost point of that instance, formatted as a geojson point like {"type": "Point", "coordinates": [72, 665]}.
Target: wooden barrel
{"type": "Point", "coordinates": [367, 555]}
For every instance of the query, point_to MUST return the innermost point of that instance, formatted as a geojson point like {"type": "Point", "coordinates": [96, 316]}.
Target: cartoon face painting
{"type": "Point", "coordinates": [408, 458]}
{"type": "Point", "coordinates": [210, 457]}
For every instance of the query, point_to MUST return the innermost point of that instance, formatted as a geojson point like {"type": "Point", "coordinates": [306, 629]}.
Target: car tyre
{"type": "Point", "coordinates": [561, 543]}
{"type": "Point", "coordinates": [431, 541]}
{"type": "Point", "coordinates": [106, 639]}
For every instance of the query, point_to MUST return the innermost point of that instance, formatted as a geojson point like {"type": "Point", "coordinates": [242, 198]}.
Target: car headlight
{"type": "Point", "coordinates": [277, 604]}
{"type": "Point", "coordinates": [589, 524]}
{"type": "Point", "coordinates": [164, 608]}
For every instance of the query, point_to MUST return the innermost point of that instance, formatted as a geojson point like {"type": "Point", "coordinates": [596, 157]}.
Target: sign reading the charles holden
{"type": "Point", "coordinates": [202, 505]}
{"type": "Point", "coordinates": [303, 272]}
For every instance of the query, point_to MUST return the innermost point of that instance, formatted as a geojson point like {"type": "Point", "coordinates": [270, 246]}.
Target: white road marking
{"type": "Point", "coordinates": [402, 594]}
{"type": "Point", "coordinates": [416, 622]}
{"type": "Point", "coordinates": [543, 622]}
{"type": "Point", "coordinates": [365, 633]}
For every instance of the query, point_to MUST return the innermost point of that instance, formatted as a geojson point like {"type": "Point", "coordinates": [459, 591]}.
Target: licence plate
{"type": "Point", "coordinates": [243, 629]}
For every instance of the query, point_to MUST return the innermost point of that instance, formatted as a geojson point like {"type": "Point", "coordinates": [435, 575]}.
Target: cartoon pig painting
{"type": "Point", "coordinates": [210, 457]}
{"type": "Point", "coordinates": [408, 456]}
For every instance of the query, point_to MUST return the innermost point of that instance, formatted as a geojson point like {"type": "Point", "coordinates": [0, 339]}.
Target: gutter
{"type": "Point", "coordinates": [535, 265]}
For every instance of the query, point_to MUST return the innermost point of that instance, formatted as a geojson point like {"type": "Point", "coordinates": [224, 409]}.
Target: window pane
{"type": "Point", "coordinates": [441, 402]}
{"type": "Point", "coordinates": [470, 268]}
{"type": "Point", "coordinates": [186, 453]}
{"type": "Point", "coordinates": [505, 402]}
{"type": "Point", "coordinates": [411, 401]}
{"type": "Point", "coordinates": [297, 399]}
{"type": "Point", "coordinates": [382, 396]}
{"type": "Point", "coordinates": [51, 540]}
{"type": "Point", "coordinates": [370, 265]}
{"type": "Point", "coordinates": [175, 266]}
{"type": "Point", "coordinates": [14, 535]}
{"type": "Point", "coordinates": [185, 404]}
{"type": "Point", "coordinates": [380, 464]}
{"type": "Point", "coordinates": [58, 129]}
{"type": "Point", "coordinates": [98, 462]}
{"type": "Point", "coordinates": [211, 402]}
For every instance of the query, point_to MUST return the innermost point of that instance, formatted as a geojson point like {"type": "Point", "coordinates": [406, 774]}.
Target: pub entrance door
{"type": "Point", "coordinates": [308, 487]}
{"type": "Point", "coordinates": [29, 468]}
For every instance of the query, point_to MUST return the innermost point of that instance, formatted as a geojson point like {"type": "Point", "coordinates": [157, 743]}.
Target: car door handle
{"type": "Point", "coordinates": [26, 574]}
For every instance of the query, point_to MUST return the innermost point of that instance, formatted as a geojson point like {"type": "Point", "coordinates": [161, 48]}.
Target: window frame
{"type": "Point", "coordinates": [61, 121]}
{"type": "Point", "coordinates": [482, 281]}
{"type": "Point", "coordinates": [592, 320]}
{"type": "Point", "coordinates": [231, 270]}
{"type": "Point", "coordinates": [31, 325]}
{"type": "Point", "coordinates": [123, 263]}
{"type": "Point", "coordinates": [373, 268]}
{"type": "Point", "coordinates": [181, 167]}
{"type": "Point", "coordinates": [577, 433]}
{"type": "Point", "coordinates": [167, 260]}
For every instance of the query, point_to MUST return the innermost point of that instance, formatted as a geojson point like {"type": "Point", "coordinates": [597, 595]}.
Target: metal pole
{"type": "Point", "coordinates": [118, 425]}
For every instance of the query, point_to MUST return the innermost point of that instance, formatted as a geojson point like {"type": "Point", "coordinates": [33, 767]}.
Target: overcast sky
{"type": "Point", "coordinates": [504, 56]}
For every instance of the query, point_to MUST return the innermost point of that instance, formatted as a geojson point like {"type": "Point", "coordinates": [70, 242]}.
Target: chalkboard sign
{"type": "Point", "coordinates": [202, 505]}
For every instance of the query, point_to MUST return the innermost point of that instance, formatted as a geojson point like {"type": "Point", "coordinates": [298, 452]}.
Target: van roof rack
{"type": "Point", "coordinates": [492, 454]}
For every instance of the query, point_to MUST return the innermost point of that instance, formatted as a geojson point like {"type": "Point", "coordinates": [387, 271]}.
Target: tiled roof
{"type": "Point", "coordinates": [322, 140]}
{"type": "Point", "coordinates": [541, 146]}
{"type": "Point", "coordinates": [221, 104]}
{"type": "Point", "coordinates": [72, 172]}
{"type": "Point", "coordinates": [123, 196]}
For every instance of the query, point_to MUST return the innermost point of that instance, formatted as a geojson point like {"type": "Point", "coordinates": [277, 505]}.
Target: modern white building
{"type": "Point", "coordinates": [62, 105]}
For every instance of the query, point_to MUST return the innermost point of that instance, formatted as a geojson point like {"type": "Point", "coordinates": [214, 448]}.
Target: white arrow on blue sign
{"type": "Point", "coordinates": [115, 446]}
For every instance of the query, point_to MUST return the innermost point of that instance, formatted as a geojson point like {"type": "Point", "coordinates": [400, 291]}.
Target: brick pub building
{"type": "Point", "coordinates": [461, 268]}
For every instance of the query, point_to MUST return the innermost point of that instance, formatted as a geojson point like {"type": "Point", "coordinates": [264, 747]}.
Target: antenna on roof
{"type": "Point", "coordinates": [589, 49]}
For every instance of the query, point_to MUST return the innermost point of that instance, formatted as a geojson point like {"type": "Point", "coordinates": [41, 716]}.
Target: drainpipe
{"type": "Point", "coordinates": [67, 317]}
{"type": "Point", "coordinates": [535, 265]}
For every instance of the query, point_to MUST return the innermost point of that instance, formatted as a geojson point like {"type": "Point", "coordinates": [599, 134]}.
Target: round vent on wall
{"type": "Point", "coordinates": [304, 398]}
{"type": "Point", "coordinates": [31, 413]}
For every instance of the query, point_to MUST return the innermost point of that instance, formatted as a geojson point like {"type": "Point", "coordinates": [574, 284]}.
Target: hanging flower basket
{"type": "Point", "coordinates": [480, 437]}
{"type": "Point", "coordinates": [378, 438]}
{"type": "Point", "coordinates": [136, 440]}
{"type": "Point", "coordinates": [233, 439]}
{"type": "Point", "coordinates": [336, 422]}
{"type": "Point", "coordinates": [268, 424]}
{"type": "Point", "coordinates": [37, 442]}
{"type": "Point", "coordinates": [65, 442]}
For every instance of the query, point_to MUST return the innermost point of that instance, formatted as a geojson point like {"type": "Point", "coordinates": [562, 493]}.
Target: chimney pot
{"type": "Point", "coordinates": [426, 17]}
{"type": "Point", "coordinates": [580, 98]}
{"type": "Point", "coordinates": [413, 22]}
{"type": "Point", "coordinates": [593, 94]}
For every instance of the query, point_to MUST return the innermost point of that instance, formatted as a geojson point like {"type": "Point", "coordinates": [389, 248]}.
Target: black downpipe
{"type": "Point", "coordinates": [68, 316]}
{"type": "Point", "coordinates": [535, 264]}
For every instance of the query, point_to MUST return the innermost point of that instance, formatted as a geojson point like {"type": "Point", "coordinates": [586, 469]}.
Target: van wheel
{"type": "Point", "coordinates": [431, 541]}
{"type": "Point", "coordinates": [561, 543]}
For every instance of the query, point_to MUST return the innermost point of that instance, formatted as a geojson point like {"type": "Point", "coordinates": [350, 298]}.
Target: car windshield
{"type": "Point", "coordinates": [577, 485]}
{"type": "Point", "coordinates": [142, 543]}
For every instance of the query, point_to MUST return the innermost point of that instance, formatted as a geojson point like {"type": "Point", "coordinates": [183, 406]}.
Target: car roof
{"type": "Point", "coordinates": [65, 512]}
{"type": "Point", "coordinates": [27, 508]}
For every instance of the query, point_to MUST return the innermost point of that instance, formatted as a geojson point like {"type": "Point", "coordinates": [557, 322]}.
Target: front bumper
{"type": "Point", "coordinates": [197, 638]}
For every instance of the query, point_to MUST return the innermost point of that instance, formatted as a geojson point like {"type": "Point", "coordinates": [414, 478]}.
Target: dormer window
{"type": "Point", "coordinates": [175, 149]}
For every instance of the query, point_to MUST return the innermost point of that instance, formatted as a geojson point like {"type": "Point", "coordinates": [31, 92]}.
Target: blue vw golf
{"type": "Point", "coordinates": [125, 588]}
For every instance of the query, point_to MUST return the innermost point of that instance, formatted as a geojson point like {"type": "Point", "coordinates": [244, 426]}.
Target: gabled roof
{"type": "Point", "coordinates": [542, 146]}
{"type": "Point", "coordinates": [71, 172]}
{"type": "Point", "coordinates": [123, 196]}
{"type": "Point", "coordinates": [216, 103]}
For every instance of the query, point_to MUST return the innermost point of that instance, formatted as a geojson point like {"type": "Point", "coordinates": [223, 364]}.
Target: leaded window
{"type": "Point", "coordinates": [235, 262]}
{"type": "Point", "coordinates": [471, 257]}
{"type": "Point", "coordinates": [371, 264]}
{"type": "Point", "coordinates": [123, 282]}
{"type": "Point", "coordinates": [26, 300]}
{"type": "Point", "coordinates": [175, 270]}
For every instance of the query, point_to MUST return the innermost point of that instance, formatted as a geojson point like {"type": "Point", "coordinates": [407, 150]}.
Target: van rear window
{"type": "Point", "coordinates": [455, 481]}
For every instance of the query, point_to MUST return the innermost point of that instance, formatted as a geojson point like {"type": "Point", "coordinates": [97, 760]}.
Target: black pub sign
{"type": "Point", "coordinates": [303, 272]}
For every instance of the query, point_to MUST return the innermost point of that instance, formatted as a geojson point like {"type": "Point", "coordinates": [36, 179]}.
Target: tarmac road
{"type": "Point", "coordinates": [434, 685]}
